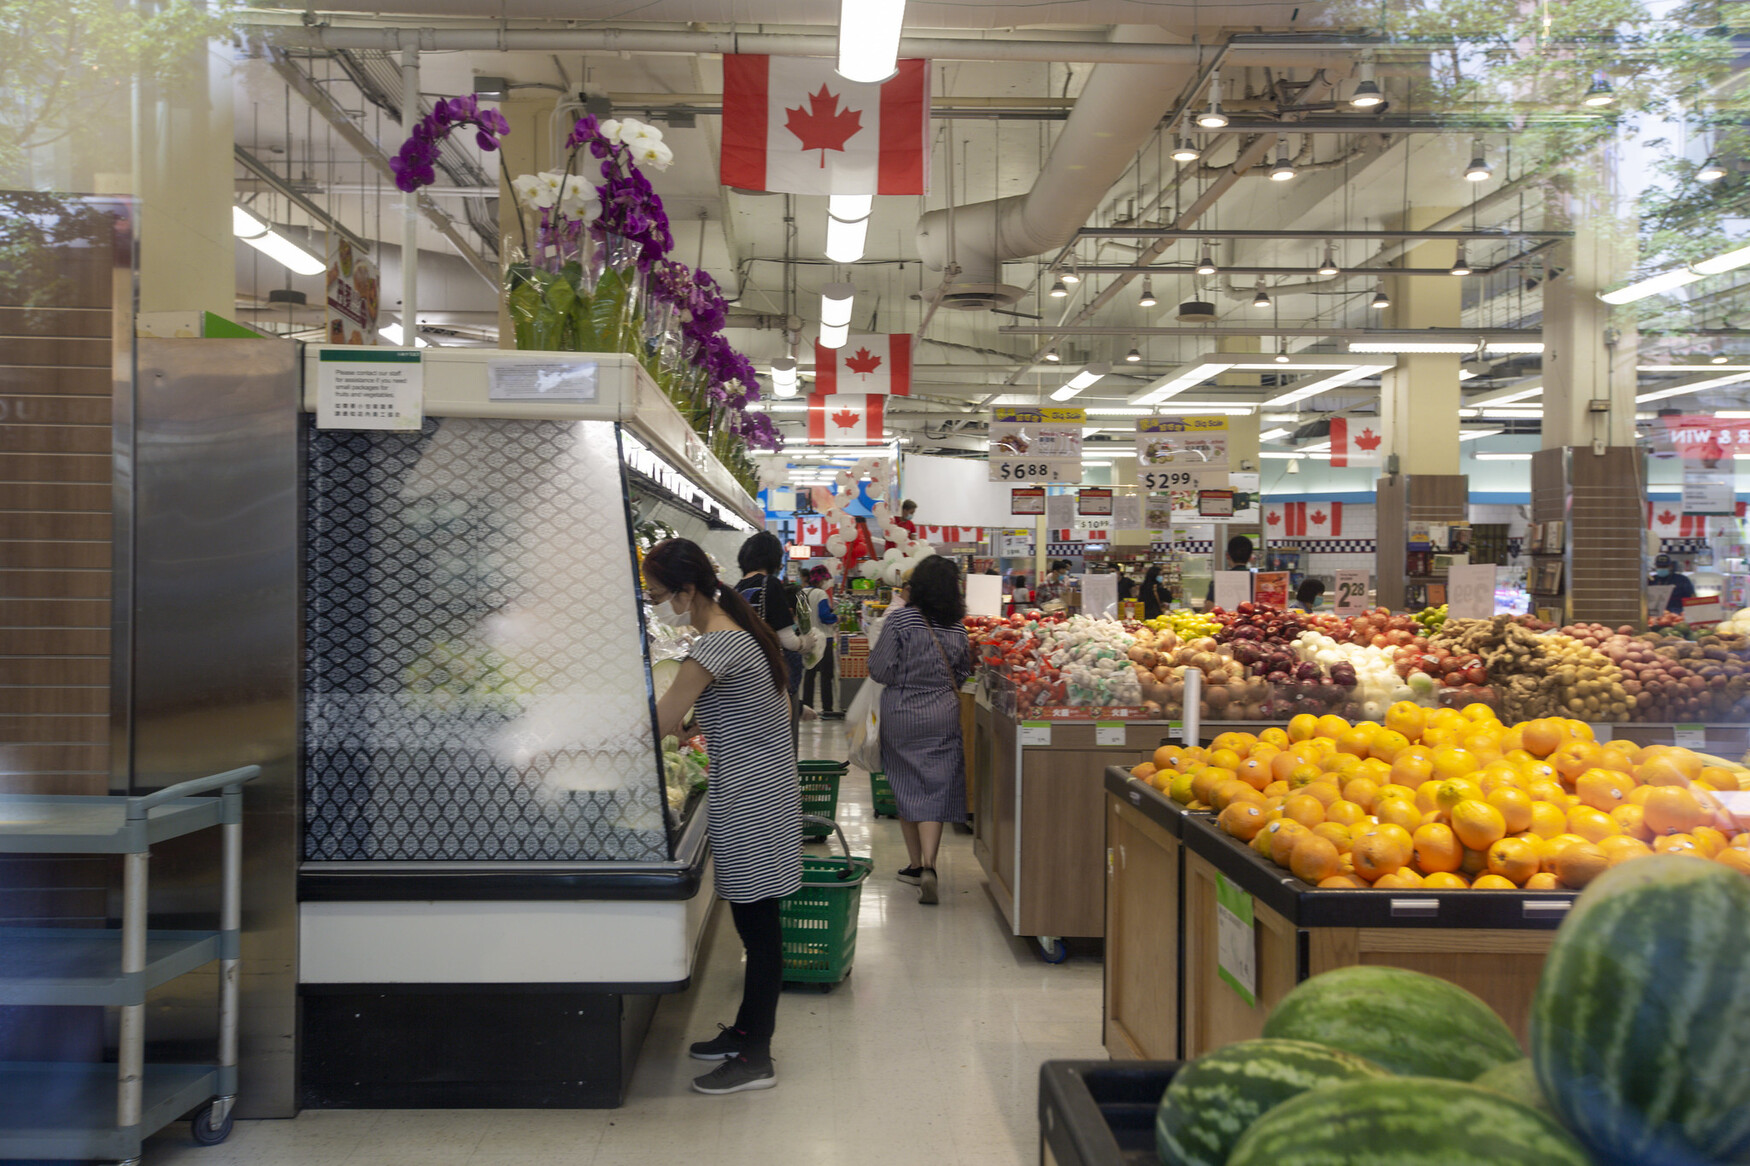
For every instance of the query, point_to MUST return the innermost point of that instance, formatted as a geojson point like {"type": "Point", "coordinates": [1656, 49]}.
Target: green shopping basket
{"type": "Point", "coordinates": [882, 791]}
{"type": "Point", "coordinates": [818, 923]}
{"type": "Point", "coordinates": [820, 795]}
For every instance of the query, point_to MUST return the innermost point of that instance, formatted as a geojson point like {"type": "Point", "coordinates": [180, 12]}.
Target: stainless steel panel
{"type": "Point", "coordinates": [216, 646]}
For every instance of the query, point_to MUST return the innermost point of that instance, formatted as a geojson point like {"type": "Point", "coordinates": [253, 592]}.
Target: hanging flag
{"type": "Point", "coordinates": [845, 418]}
{"type": "Point", "coordinates": [1324, 519]}
{"type": "Point", "coordinates": [1361, 449]}
{"type": "Point", "coordinates": [793, 124]}
{"type": "Point", "coordinates": [866, 364]}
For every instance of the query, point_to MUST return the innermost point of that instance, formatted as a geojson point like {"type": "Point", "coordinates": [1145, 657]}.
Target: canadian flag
{"type": "Point", "coordinates": [793, 124]}
{"type": "Point", "coordinates": [866, 364]}
{"type": "Point", "coordinates": [845, 418]}
{"type": "Point", "coordinates": [1304, 519]}
{"type": "Point", "coordinates": [814, 529]}
{"type": "Point", "coordinates": [1667, 520]}
{"type": "Point", "coordinates": [1361, 449]}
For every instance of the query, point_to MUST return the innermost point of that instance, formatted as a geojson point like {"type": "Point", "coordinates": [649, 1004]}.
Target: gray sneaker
{"type": "Point", "coordinates": [927, 885]}
{"type": "Point", "coordinates": [910, 874]}
{"type": "Point", "coordinates": [737, 1075]}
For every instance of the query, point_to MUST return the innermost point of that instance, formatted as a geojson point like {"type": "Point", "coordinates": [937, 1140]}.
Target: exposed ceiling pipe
{"type": "Point", "coordinates": [500, 38]}
{"type": "Point", "coordinates": [1119, 109]}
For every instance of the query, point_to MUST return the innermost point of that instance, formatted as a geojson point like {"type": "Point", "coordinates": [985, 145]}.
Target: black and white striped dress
{"type": "Point", "coordinates": [922, 666]}
{"type": "Point", "coordinates": [755, 798]}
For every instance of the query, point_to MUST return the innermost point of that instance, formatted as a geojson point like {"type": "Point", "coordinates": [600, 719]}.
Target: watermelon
{"type": "Point", "coordinates": [1406, 1121]}
{"type": "Point", "coordinates": [1213, 1100]}
{"type": "Point", "coordinates": [1640, 1028]}
{"type": "Point", "coordinates": [1406, 1021]}
{"type": "Point", "coordinates": [1517, 1079]}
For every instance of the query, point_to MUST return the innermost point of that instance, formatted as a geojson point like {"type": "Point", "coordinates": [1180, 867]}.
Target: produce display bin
{"type": "Point", "coordinates": [1095, 1113]}
{"type": "Point", "coordinates": [1490, 942]}
{"type": "Point", "coordinates": [881, 792]}
{"type": "Point", "coordinates": [820, 794]}
{"type": "Point", "coordinates": [1145, 887]}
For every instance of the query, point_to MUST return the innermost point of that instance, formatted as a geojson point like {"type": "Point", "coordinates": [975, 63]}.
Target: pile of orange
{"type": "Point", "coordinates": [1446, 799]}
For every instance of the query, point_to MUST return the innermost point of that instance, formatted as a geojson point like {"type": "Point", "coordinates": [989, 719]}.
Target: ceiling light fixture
{"type": "Point", "coordinates": [1502, 457]}
{"type": "Point", "coordinates": [1479, 169]}
{"type": "Point", "coordinates": [274, 245]}
{"type": "Point", "coordinates": [1134, 355]}
{"type": "Point", "coordinates": [1335, 381]}
{"type": "Point", "coordinates": [1283, 171]}
{"type": "Point", "coordinates": [1186, 150]}
{"type": "Point", "coordinates": [1460, 265]}
{"type": "Point", "coordinates": [1718, 358]}
{"type": "Point", "coordinates": [1211, 118]}
{"type": "Point", "coordinates": [1600, 94]}
{"type": "Point", "coordinates": [835, 314]}
{"type": "Point", "coordinates": [1273, 434]}
{"type": "Point", "coordinates": [392, 333]}
{"type": "Point", "coordinates": [1651, 286]}
{"type": "Point", "coordinates": [784, 377]}
{"type": "Point", "coordinates": [1058, 289]}
{"type": "Point", "coordinates": [1089, 375]}
{"type": "Point", "coordinates": [1261, 299]}
{"type": "Point", "coordinates": [1147, 299]}
{"type": "Point", "coordinates": [1367, 94]}
{"type": "Point", "coordinates": [869, 38]}
{"type": "Point", "coordinates": [1710, 171]}
{"type": "Point", "coordinates": [1206, 264]}
{"type": "Point", "coordinates": [1070, 275]}
{"type": "Point", "coordinates": [1051, 354]}
{"type": "Point", "coordinates": [1329, 265]}
{"type": "Point", "coordinates": [847, 226]}
{"type": "Point", "coordinates": [1380, 301]}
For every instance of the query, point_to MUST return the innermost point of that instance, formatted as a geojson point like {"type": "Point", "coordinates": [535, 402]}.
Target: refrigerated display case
{"type": "Point", "coordinates": [494, 861]}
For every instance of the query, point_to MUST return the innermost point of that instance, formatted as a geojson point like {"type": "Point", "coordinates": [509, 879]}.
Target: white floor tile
{"type": "Point", "coordinates": [928, 1055]}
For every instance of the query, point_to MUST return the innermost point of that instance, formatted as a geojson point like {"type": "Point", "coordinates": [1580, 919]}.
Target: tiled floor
{"type": "Point", "coordinates": [927, 1056]}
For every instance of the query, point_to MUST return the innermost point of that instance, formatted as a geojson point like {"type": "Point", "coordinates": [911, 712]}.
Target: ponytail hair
{"type": "Point", "coordinates": [677, 562]}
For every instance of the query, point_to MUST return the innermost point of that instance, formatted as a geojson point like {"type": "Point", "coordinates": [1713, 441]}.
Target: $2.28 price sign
{"type": "Point", "coordinates": [1036, 470]}
{"type": "Point", "coordinates": [1351, 593]}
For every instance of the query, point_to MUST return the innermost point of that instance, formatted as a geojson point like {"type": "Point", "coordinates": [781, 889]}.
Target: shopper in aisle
{"type": "Point", "coordinates": [922, 656]}
{"type": "Point", "coordinates": [1239, 558]}
{"type": "Point", "coordinates": [1156, 596]}
{"type": "Point", "coordinates": [816, 601]}
{"type": "Point", "coordinates": [1666, 574]}
{"type": "Point", "coordinates": [761, 560]}
{"type": "Point", "coordinates": [1308, 594]}
{"type": "Point", "coordinates": [907, 520]}
{"type": "Point", "coordinates": [1126, 585]}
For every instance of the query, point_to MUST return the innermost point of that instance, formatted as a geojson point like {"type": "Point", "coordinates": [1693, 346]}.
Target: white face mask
{"type": "Point", "coordinates": [670, 616]}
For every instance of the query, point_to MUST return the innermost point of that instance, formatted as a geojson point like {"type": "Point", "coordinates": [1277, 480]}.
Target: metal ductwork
{"type": "Point", "coordinates": [1118, 110]}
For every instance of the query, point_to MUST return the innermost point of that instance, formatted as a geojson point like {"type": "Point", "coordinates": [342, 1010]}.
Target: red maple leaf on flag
{"type": "Point", "coordinates": [847, 419]}
{"type": "Point", "coordinates": [1317, 517]}
{"type": "Point", "coordinates": [1273, 517]}
{"type": "Point", "coordinates": [1666, 518]}
{"type": "Point", "coordinates": [824, 126]}
{"type": "Point", "coordinates": [863, 362]}
{"type": "Point", "coordinates": [1368, 439]}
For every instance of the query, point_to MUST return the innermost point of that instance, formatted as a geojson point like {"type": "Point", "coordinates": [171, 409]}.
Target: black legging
{"type": "Point", "coordinates": [757, 924]}
{"type": "Point", "coordinates": [823, 670]}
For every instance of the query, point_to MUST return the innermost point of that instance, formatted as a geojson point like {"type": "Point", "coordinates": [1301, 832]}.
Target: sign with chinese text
{"type": "Point", "coordinates": [1028, 500]}
{"type": "Point", "coordinates": [1036, 445]}
{"type": "Point", "coordinates": [1097, 501]}
{"type": "Point", "coordinates": [380, 389]}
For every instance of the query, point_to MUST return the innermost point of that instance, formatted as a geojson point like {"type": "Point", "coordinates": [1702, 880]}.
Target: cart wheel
{"type": "Point", "coordinates": [1053, 949]}
{"type": "Point", "coordinates": [205, 1133]}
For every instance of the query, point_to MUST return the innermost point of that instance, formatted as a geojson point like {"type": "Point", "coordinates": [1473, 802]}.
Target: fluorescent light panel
{"type": "Point", "coordinates": [1337, 380]}
{"type": "Point", "coordinates": [869, 38]}
{"type": "Point", "coordinates": [1693, 387]}
{"type": "Point", "coordinates": [1502, 457]}
{"type": "Point", "coordinates": [1652, 286]}
{"type": "Point", "coordinates": [1473, 434]}
{"type": "Point", "coordinates": [845, 240]}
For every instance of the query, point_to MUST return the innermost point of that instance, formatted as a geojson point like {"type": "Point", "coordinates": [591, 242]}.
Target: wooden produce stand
{"type": "Point", "coordinates": [1145, 884]}
{"type": "Point", "coordinates": [1490, 942]}
{"type": "Point", "coordinates": [1039, 827]}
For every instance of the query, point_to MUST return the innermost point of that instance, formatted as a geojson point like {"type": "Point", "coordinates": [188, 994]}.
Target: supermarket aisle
{"type": "Point", "coordinates": [927, 1056]}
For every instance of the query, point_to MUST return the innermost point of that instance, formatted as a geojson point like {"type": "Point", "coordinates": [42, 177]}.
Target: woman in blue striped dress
{"type": "Point", "coordinates": [735, 682]}
{"type": "Point", "coordinates": [922, 656]}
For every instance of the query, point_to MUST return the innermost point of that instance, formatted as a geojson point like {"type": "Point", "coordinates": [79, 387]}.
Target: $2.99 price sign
{"type": "Point", "coordinates": [1036, 469]}
{"type": "Point", "coordinates": [1180, 479]}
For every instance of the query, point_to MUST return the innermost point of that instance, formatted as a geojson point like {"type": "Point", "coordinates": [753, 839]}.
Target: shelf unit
{"type": "Point", "coordinates": [101, 1110]}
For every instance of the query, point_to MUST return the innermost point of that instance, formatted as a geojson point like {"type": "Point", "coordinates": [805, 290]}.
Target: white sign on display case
{"type": "Point", "coordinates": [1232, 588]}
{"type": "Point", "coordinates": [1351, 595]}
{"type": "Point", "coordinates": [1127, 512]}
{"type": "Point", "coordinates": [370, 388]}
{"type": "Point", "coordinates": [1470, 591]}
{"type": "Point", "coordinates": [1060, 512]}
{"type": "Point", "coordinates": [984, 595]}
{"type": "Point", "coordinates": [1099, 594]}
{"type": "Point", "coordinates": [541, 380]}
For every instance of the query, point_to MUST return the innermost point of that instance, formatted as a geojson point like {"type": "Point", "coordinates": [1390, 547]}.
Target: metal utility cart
{"type": "Point", "coordinates": [105, 1111]}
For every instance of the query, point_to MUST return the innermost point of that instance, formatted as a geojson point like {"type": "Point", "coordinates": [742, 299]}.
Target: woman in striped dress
{"type": "Point", "coordinates": [735, 682]}
{"type": "Point", "coordinates": [922, 655]}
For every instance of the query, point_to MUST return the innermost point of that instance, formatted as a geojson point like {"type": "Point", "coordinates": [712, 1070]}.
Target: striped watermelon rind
{"type": "Point", "coordinates": [1406, 1121]}
{"type": "Point", "coordinates": [1518, 1080]}
{"type": "Point", "coordinates": [1213, 1100]}
{"type": "Point", "coordinates": [1640, 1028]}
{"type": "Point", "coordinates": [1411, 1023]}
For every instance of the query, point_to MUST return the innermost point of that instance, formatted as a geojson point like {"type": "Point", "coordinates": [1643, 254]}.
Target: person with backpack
{"type": "Point", "coordinates": [761, 560]}
{"type": "Point", "coordinates": [818, 621]}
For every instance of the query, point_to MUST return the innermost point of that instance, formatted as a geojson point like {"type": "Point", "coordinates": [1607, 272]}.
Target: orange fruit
{"type": "Point", "coordinates": [1493, 882]}
{"type": "Point", "coordinates": [1204, 785]}
{"type": "Point", "coordinates": [1326, 792]}
{"type": "Point", "coordinates": [1498, 775]}
{"type": "Point", "coordinates": [1740, 841]}
{"type": "Point", "coordinates": [1451, 761]}
{"type": "Point", "coordinates": [1255, 772]}
{"type": "Point", "coordinates": [1603, 789]}
{"type": "Point", "coordinates": [1342, 882]}
{"type": "Point", "coordinates": [1239, 742]}
{"type": "Point", "coordinates": [1547, 819]}
{"type": "Point", "coordinates": [1362, 792]}
{"type": "Point", "coordinates": [1275, 736]}
{"type": "Point", "coordinates": [1243, 820]}
{"type": "Point", "coordinates": [1396, 881]}
{"type": "Point", "coordinates": [1434, 849]}
{"type": "Point", "coordinates": [1281, 836]}
{"type": "Point", "coordinates": [1387, 744]}
{"type": "Point", "coordinates": [1305, 809]}
{"type": "Point", "coordinates": [1711, 841]}
{"type": "Point", "coordinates": [1574, 758]}
{"type": "Point", "coordinates": [1546, 789]}
{"type": "Point", "coordinates": [1303, 774]}
{"type": "Point", "coordinates": [1515, 807]}
{"type": "Point", "coordinates": [1412, 767]}
{"type": "Point", "coordinates": [1459, 789]}
{"type": "Point", "coordinates": [1225, 758]}
{"type": "Point", "coordinates": [1282, 765]}
{"type": "Point", "coordinates": [1357, 741]}
{"type": "Point", "coordinates": [1541, 738]}
{"type": "Point", "coordinates": [1166, 755]}
{"type": "Point", "coordinates": [1397, 812]}
{"type": "Point", "coordinates": [1331, 726]}
{"type": "Point", "coordinates": [1638, 796]}
{"type": "Point", "coordinates": [1620, 848]}
{"type": "Point", "coordinates": [1718, 778]}
{"type": "Point", "coordinates": [1229, 792]}
{"type": "Point", "coordinates": [1672, 809]}
{"type": "Point", "coordinates": [1478, 824]}
{"type": "Point", "coordinates": [1543, 880]}
{"type": "Point", "coordinates": [1341, 766]}
{"type": "Point", "coordinates": [1276, 789]}
{"type": "Point", "coordinates": [1314, 859]}
{"type": "Point", "coordinates": [1677, 844]}
{"type": "Point", "coordinates": [1394, 790]}
{"type": "Point", "coordinates": [1552, 847]}
{"type": "Point", "coordinates": [1474, 863]}
{"type": "Point", "coordinates": [1631, 820]}
{"type": "Point", "coordinates": [1445, 880]}
{"type": "Point", "coordinates": [1406, 717]}
{"type": "Point", "coordinates": [1590, 824]}
{"type": "Point", "coordinates": [1428, 796]}
{"type": "Point", "coordinates": [1345, 813]}
{"type": "Point", "coordinates": [1579, 863]}
{"type": "Point", "coordinates": [1302, 726]}
{"type": "Point", "coordinates": [1738, 860]}
{"type": "Point", "coordinates": [1380, 850]}
{"type": "Point", "coordinates": [1514, 859]}
{"type": "Point", "coordinates": [1339, 835]}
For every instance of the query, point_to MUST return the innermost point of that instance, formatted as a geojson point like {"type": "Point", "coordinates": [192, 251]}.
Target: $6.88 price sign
{"type": "Point", "coordinates": [1035, 469]}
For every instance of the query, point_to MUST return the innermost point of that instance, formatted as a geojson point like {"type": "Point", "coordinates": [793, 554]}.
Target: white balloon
{"type": "Point", "coordinates": [891, 554]}
{"type": "Point", "coordinates": [882, 513]}
{"type": "Point", "coordinates": [892, 575]}
{"type": "Point", "coordinates": [846, 480]}
{"type": "Point", "coordinates": [837, 502]}
{"type": "Point", "coordinates": [869, 569]}
{"type": "Point", "coordinates": [866, 466]}
{"type": "Point", "coordinates": [836, 544]}
{"type": "Point", "coordinates": [835, 565]}
{"type": "Point", "coordinates": [875, 489]}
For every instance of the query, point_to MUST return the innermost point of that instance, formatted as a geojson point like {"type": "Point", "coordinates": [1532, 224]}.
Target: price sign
{"type": "Point", "coordinates": [1708, 492]}
{"type": "Point", "coordinates": [1198, 443]}
{"type": "Point", "coordinates": [1036, 445]}
{"type": "Point", "coordinates": [1470, 591]}
{"type": "Point", "coordinates": [1127, 512]}
{"type": "Point", "coordinates": [1351, 597]}
{"type": "Point", "coordinates": [1034, 733]}
{"type": "Point", "coordinates": [1109, 733]}
{"type": "Point", "coordinates": [1175, 730]}
{"type": "Point", "coordinates": [1704, 609]}
{"type": "Point", "coordinates": [1236, 940]}
{"type": "Point", "coordinates": [1029, 501]}
{"type": "Point", "coordinates": [1180, 478]}
{"type": "Point", "coordinates": [1271, 587]}
{"type": "Point", "coordinates": [1690, 736]}
{"type": "Point", "coordinates": [1215, 503]}
{"type": "Point", "coordinates": [1096, 501]}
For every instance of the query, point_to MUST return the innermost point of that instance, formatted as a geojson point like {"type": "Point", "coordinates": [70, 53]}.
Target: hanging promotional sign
{"type": "Point", "coordinates": [1701, 438]}
{"type": "Point", "coordinates": [1215, 503]}
{"type": "Point", "coordinates": [1036, 445]}
{"type": "Point", "coordinates": [1096, 501]}
{"type": "Point", "coordinates": [1027, 500]}
{"type": "Point", "coordinates": [1181, 453]}
{"type": "Point", "coordinates": [352, 297]}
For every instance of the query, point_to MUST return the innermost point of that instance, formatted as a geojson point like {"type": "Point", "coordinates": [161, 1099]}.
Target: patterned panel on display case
{"type": "Point", "coordinates": [475, 688]}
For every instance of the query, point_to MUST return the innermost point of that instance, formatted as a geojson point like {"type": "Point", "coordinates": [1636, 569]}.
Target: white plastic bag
{"type": "Point", "coordinates": [863, 723]}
